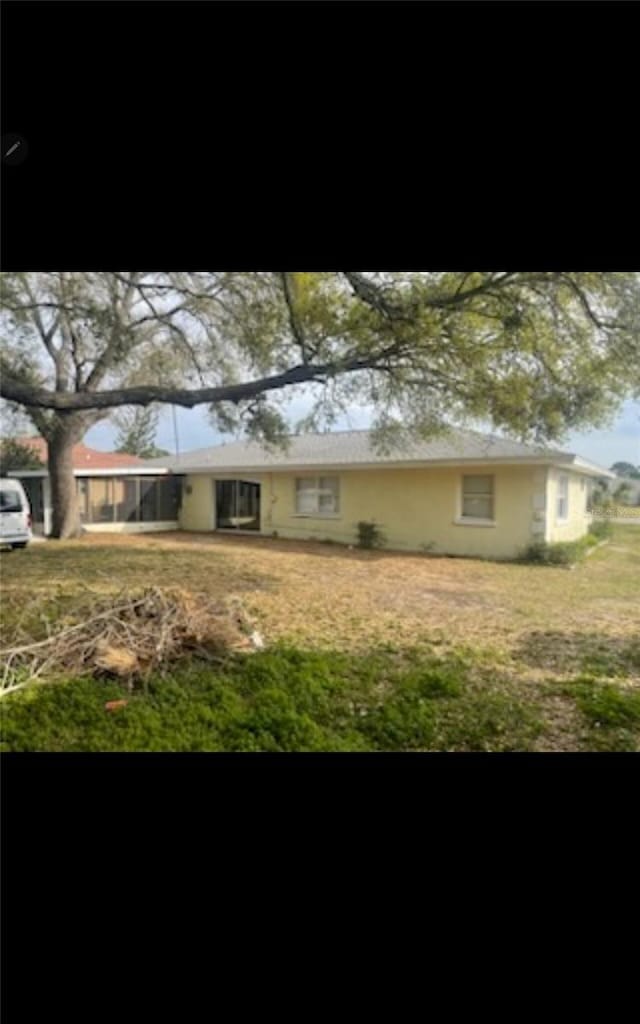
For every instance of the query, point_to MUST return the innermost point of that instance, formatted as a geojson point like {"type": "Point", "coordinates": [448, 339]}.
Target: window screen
{"type": "Point", "coordinates": [477, 497]}
{"type": "Point", "coordinates": [317, 496]}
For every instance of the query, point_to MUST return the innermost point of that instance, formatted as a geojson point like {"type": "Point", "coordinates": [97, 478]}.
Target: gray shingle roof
{"type": "Point", "coordinates": [354, 448]}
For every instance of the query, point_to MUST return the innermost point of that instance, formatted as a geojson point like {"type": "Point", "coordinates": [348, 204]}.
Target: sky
{"type": "Point", "coordinates": [620, 442]}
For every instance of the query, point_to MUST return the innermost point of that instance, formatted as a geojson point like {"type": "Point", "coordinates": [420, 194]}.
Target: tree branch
{"type": "Point", "coordinates": [294, 320]}
{"type": "Point", "coordinates": [584, 302]}
{"type": "Point", "coordinates": [47, 334]}
{"type": "Point", "coordinates": [460, 297]}
{"type": "Point", "coordinates": [110, 353]}
{"type": "Point", "coordinates": [142, 286]}
{"type": "Point", "coordinates": [15, 390]}
{"type": "Point", "coordinates": [371, 295]}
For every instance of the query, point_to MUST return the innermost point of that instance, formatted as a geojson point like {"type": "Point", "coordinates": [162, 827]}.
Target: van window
{"type": "Point", "coordinates": [10, 501]}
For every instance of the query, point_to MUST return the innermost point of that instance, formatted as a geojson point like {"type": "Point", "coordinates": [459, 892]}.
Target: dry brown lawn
{"type": "Point", "coordinates": [533, 628]}
{"type": "Point", "coordinates": [327, 595]}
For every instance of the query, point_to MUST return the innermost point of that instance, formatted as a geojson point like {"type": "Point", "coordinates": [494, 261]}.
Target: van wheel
{"type": "Point", "coordinates": [22, 544]}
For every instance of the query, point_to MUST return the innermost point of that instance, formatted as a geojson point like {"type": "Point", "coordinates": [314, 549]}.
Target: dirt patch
{"type": "Point", "coordinates": [592, 652]}
{"type": "Point", "coordinates": [562, 727]}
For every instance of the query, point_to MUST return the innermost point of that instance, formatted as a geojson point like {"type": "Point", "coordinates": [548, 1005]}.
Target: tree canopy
{"type": "Point", "coordinates": [626, 469]}
{"type": "Point", "coordinates": [15, 454]}
{"type": "Point", "coordinates": [533, 353]}
{"type": "Point", "coordinates": [137, 432]}
{"type": "Point", "coordinates": [536, 353]}
{"type": "Point", "coordinates": [623, 491]}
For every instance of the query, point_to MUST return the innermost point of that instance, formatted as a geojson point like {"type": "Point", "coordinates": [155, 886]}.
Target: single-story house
{"type": "Point", "coordinates": [462, 493]}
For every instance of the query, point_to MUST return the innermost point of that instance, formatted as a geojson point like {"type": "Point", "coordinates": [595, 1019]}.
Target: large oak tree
{"type": "Point", "coordinates": [535, 353]}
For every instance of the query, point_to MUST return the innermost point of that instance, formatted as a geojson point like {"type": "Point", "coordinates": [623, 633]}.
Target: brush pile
{"type": "Point", "coordinates": [131, 635]}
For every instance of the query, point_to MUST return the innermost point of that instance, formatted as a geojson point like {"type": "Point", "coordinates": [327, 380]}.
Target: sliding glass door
{"type": "Point", "coordinates": [237, 505]}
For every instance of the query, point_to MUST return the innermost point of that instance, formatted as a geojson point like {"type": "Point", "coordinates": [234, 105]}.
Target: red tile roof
{"type": "Point", "coordinates": [83, 457]}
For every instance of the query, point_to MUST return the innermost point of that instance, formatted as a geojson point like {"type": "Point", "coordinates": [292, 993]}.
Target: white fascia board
{"type": "Point", "coordinates": [583, 466]}
{"type": "Point", "coordinates": [123, 471]}
{"type": "Point", "coordinates": [574, 462]}
{"type": "Point", "coordinates": [28, 472]}
{"type": "Point", "coordinates": [337, 467]}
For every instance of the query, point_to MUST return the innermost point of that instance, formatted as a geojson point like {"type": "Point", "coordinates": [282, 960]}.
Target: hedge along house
{"type": "Point", "coordinates": [462, 494]}
{"type": "Point", "coordinates": [116, 492]}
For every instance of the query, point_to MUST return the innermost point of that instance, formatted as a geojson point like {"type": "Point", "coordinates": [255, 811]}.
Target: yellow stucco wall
{"type": "Point", "coordinates": [414, 508]}
{"type": "Point", "coordinates": [577, 522]}
{"type": "Point", "coordinates": [197, 510]}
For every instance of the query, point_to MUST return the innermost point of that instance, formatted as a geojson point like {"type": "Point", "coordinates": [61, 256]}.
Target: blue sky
{"type": "Point", "coordinates": [620, 442]}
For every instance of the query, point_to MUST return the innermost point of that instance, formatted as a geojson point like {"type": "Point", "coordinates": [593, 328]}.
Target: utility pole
{"type": "Point", "coordinates": [175, 431]}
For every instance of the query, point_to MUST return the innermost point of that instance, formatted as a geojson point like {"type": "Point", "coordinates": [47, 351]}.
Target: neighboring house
{"type": "Point", "coordinates": [115, 491]}
{"type": "Point", "coordinates": [83, 457]}
{"type": "Point", "coordinates": [461, 494]}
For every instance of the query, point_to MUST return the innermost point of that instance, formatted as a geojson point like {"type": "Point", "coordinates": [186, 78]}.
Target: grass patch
{"type": "Point", "coordinates": [282, 700]}
{"type": "Point", "coordinates": [601, 529]}
{"type": "Point", "coordinates": [611, 713]}
{"type": "Point", "coordinates": [64, 565]}
{"type": "Point", "coordinates": [368, 650]}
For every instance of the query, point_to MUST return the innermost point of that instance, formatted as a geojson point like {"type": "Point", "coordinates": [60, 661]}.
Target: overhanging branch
{"type": "Point", "coordinates": [15, 390]}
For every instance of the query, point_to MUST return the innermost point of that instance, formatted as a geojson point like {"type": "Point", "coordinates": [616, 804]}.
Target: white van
{"type": "Point", "coordinates": [15, 514]}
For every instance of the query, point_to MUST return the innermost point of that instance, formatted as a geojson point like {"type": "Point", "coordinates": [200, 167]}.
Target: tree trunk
{"type": "Point", "coordinates": [66, 517]}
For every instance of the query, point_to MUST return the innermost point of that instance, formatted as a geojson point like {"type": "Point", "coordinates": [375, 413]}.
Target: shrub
{"type": "Point", "coordinates": [601, 529]}
{"type": "Point", "coordinates": [541, 552]}
{"type": "Point", "coordinates": [370, 535]}
{"type": "Point", "coordinates": [537, 552]}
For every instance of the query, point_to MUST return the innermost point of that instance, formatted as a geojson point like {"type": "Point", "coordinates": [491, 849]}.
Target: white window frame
{"type": "Point", "coordinates": [314, 481]}
{"type": "Point", "coordinates": [461, 519]}
{"type": "Point", "coordinates": [562, 495]}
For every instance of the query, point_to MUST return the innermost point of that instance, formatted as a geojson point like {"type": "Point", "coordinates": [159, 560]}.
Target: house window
{"type": "Point", "coordinates": [562, 504]}
{"type": "Point", "coordinates": [477, 497]}
{"type": "Point", "coordinates": [318, 496]}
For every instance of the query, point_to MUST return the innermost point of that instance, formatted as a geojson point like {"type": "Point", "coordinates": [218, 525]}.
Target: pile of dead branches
{"type": "Point", "coordinates": [131, 635]}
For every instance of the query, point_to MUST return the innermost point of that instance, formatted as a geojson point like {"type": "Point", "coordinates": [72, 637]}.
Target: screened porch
{"type": "Point", "coordinates": [104, 500]}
